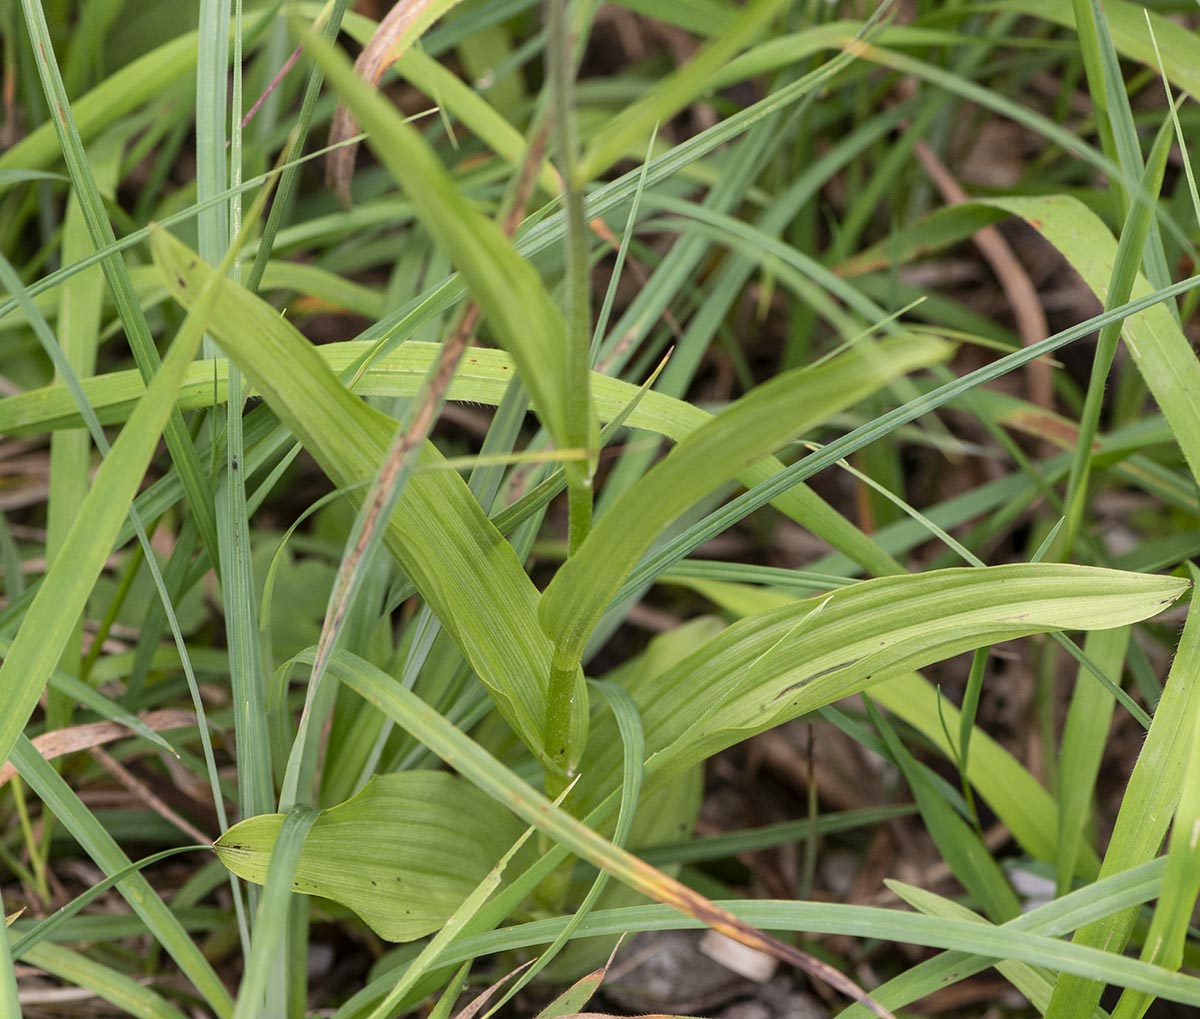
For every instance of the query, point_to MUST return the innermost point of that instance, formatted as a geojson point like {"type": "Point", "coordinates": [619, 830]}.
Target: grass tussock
{"type": "Point", "coordinates": [482, 480]}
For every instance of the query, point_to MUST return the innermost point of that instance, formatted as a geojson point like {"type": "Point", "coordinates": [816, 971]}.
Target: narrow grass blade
{"type": "Point", "coordinates": [270, 924]}
{"type": "Point", "coordinates": [129, 995]}
{"type": "Point", "coordinates": [10, 1004]}
{"type": "Point", "coordinates": [1130, 24]}
{"type": "Point", "coordinates": [1170, 927]}
{"type": "Point", "coordinates": [1149, 802]}
{"type": "Point", "coordinates": [1126, 260]}
{"type": "Point", "coordinates": [1031, 981]}
{"type": "Point", "coordinates": [969, 859]}
{"type": "Point", "coordinates": [61, 597]}
{"type": "Point", "coordinates": [183, 452]}
{"type": "Point", "coordinates": [80, 303]}
{"type": "Point", "coordinates": [633, 747]}
{"type": "Point", "coordinates": [103, 849]}
{"type": "Point", "coordinates": [629, 129]}
{"type": "Point", "coordinates": [512, 296]}
{"type": "Point", "coordinates": [1084, 738]}
{"type": "Point", "coordinates": [1162, 353]}
{"type": "Point", "coordinates": [118, 94]}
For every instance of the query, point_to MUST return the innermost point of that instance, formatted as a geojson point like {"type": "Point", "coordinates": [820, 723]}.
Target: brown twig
{"type": "Point", "coordinates": [144, 793]}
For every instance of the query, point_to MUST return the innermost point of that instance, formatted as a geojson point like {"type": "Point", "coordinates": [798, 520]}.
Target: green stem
{"type": "Point", "coordinates": [561, 59]}
{"type": "Point", "coordinates": [558, 726]}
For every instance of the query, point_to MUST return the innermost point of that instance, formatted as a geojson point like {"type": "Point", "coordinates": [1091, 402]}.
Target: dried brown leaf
{"type": "Point", "coordinates": [94, 734]}
{"type": "Point", "coordinates": [396, 32]}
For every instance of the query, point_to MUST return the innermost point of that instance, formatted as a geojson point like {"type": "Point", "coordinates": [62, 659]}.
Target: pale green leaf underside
{"type": "Point", "coordinates": [402, 853]}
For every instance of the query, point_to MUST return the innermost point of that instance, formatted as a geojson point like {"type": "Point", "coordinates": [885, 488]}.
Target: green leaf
{"type": "Point", "coordinates": [516, 304]}
{"type": "Point", "coordinates": [1146, 808]}
{"type": "Point", "coordinates": [465, 570]}
{"type": "Point", "coordinates": [487, 773]}
{"type": "Point", "coordinates": [632, 126]}
{"type": "Point", "coordinates": [1030, 980]}
{"type": "Point", "coordinates": [126, 993]}
{"type": "Point", "coordinates": [970, 860]}
{"type": "Point", "coordinates": [711, 455]}
{"type": "Point", "coordinates": [1169, 929]}
{"type": "Point", "coordinates": [1084, 739]}
{"type": "Point", "coordinates": [159, 919]}
{"type": "Point", "coordinates": [783, 663]}
{"type": "Point", "coordinates": [141, 81]}
{"type": "Point", "coordinates": [61, 598]}
{"type": "Point", "coordinates": [420, 842]}
{"type": "Point", "coordinates": [1128, 24]}
{"type": "Point", "coordinates": [483, 377]}
{"type": "Point", "coordinates": [1162, 353]}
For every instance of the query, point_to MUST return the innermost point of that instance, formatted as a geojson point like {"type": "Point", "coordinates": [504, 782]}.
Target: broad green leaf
{"type": "Point", "coordinates": [462, 566]}
{"type": "Point", "coordinates": [455, 924]}
{"type": "Point", "coordinates": [786, 662]}
{"type": "Point", "coordinates": [1016, 797]}
{"type": "Point", "coordinates": [717, 452]}
{"type": "Point", "coordinates": [483, 377]}
{"type": "Point", "coordinates": [419, 842]}
{"type": "Point", "coordinates": [487, 773]}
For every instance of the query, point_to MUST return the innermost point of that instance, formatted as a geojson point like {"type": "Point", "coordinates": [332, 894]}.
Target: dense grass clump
{"type": "Point", "coordinates": [583, 470]}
